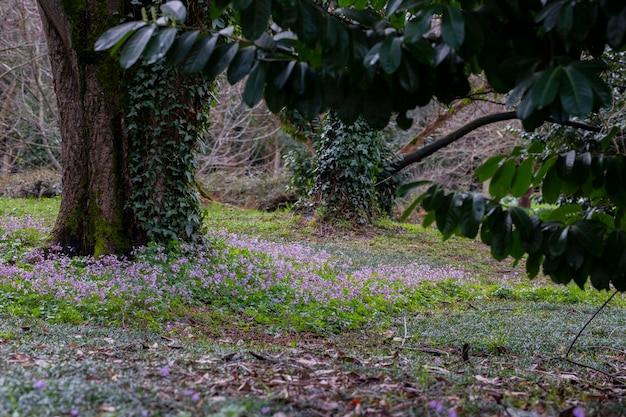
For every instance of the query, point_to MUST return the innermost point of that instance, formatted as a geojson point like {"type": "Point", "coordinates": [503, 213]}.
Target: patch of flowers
{"type": "Point", "coordinates": [241, 273]}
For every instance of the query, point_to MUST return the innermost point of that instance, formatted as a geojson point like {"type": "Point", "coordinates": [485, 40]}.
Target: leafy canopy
{"type": "Point", "coordinates": [377, 59]}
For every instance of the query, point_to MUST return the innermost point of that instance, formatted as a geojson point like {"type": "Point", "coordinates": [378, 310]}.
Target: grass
{"type": "Point", "coordinates": [278, 314]}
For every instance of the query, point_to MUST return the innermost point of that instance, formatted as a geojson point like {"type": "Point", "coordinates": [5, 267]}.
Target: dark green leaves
{"type": "Point", "coordinates": [391, 54]}
{"type": "Point", "coordinates": [160, 45]}
{"type": "Point", "coordinates": [117, 34]}
{"type": "Point", "coordinates": [452, 26]}
{"type": "Point", "coordinates": [253, 92]}
{"type": "Point", "coordinates": [576, 93]}
{"type": "Point", "coordinates": [241, 64]}
{"type": "Point", "coordinates": [135, 46]}
{"type": "Point", "coordinates": [546, 88]}
{"type": "Point", "coordinates": [255, 18]}
{"type": "Point", "coordinates": [199, 54]}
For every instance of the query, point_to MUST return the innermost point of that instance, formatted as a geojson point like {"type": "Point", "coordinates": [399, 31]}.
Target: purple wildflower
{"type": "Point", "coordinates": [436, 405]}
{"type": "Point", "coordinates": [578, 412]}
{"type": "Point", "coordinates": [39, 384]}
{"type": "Point", "coordinates": [165, 371]}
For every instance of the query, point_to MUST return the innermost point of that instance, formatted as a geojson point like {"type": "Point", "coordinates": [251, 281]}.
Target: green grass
{"type": "Point", "coordinates": [249, 354]}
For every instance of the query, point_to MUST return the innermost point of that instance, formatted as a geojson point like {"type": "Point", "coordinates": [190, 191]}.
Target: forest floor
{"type": "Point", "coordinates": [484, 342]}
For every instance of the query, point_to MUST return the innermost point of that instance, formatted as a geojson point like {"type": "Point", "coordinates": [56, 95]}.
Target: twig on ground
{"type": "Point", "coordinates": [608, 375]}
{"type": "Point", "coordinates": [589, 321]}
{"type": "Point", "coordinates": [404, 337]}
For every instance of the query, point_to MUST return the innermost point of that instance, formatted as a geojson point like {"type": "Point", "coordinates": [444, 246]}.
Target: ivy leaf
{"type": "Point", "coordinates": [135, 46]}
{"type": "Point", "coordinates": [391, 54]}
{"type": "Point", "coordinates": [117, 34]}
{"type": "Point", "coordinates": [255, 18]}
{"type": "Point", "coordinates": [576, 93]}
{"type": "Point", "coordinates": [160, 45]}
{"type": "Point", "coordinates": [452, 26]}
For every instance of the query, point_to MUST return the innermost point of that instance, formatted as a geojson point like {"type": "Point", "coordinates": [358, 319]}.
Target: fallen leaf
{"type": "Point", "coordinates": [491, 381]}
{"type": "Point", "coordinates": [107, 408]}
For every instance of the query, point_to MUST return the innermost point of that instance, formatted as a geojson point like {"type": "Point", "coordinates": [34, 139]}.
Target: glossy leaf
{"type": "Point", "coordinates": [501, 235]}
{"type": "Point", "coordinates": [404, 189]}
{"type": "Point", "coordinates": [433, 198]}
{"type": "Point", "coordinates": [452, 26]}
{"type": "Point", "coordinates": [220, 59]}
{"type": "Point", "coordinates": [522, 178]}
{"type": "Point", "coordinates": [557, 243]}
{"type": "Point", "coordinates": [590, 235]}
{"type": "Point", "coordinates": [175, 10]}
{"type": "Point", "coordinates": [255, 18]}
{"type": "Point", "coordinates": [134, 47]}
{"type": "Point", "coordinates": [253, 92]}
{"type": "Point", "coordinates": [418, 25]}
{"type": "Point", "coordinates": [522, 221]}
{"type": "Point", "coordinates": [551, 187]}
{"type": "Point", "coordinates": [501, 181]}
{"type": "Point", "coordinates": [576, 93]}
{"type": "Point", "coordinates": [117, 34]}
{"type": "Point", "coordinates": [160, 45]}
{"type": "Point", "coordinates": [564, 212]}
{"type": "Point", "coordinates": [533, 264]}
{"type": "Point", "coordinates": [199, 54]}
{"type": "Point", "coordinates": [391, 54]}
{"type": "Point", "coordinates": [472, 214]}
{"type": "Point", "coordinates": [181, 47]}
{"type": "Point", "coordinates": [241, 65]}
{"type": "Point", "coordinates": [488, 168]}
{"type": "Point", "coordinates": [616, 29]}
{"type": "Point", "coordinates": [407, 212]}
{"type": "Point", "coordinates": [565, 164]}
{"type": "Point", "coordinates": [546, 88]}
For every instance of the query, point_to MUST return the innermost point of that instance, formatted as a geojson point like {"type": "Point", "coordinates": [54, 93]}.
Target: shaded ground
{"type": "Point", "coordinates": [465, 362]}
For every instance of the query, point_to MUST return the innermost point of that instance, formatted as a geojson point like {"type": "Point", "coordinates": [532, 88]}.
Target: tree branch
{"type": "Point", "coordinates": [431, 148]}
{"type": "Point", "coordinates": [421, 153]}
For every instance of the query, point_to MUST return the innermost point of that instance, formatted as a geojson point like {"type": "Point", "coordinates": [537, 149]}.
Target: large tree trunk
{"type": "Point", "coordinates": [96, 185]}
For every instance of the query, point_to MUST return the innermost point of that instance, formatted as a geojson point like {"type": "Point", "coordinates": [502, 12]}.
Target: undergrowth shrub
{"type": "Point", "coordinates": [348, 177]}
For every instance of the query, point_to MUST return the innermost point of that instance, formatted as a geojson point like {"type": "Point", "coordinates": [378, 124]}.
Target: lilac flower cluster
{"type": "Point", "coordinates": [233, 267]}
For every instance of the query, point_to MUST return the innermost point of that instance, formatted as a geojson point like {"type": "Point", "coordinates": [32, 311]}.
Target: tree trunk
{"type": "Point", "coordinates": [89, 89]}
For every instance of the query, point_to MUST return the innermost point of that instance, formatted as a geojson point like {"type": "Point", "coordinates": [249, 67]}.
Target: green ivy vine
{"type": "Point", "coordinates": [166, 114]}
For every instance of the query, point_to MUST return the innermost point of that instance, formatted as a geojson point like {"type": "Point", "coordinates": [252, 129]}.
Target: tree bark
{"type": "Point", "coordinates": [89, 89]}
